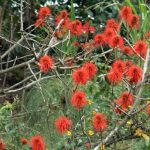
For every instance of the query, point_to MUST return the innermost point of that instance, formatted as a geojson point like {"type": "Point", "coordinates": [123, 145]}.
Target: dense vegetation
{"type": "Point", "coordinates": [74, 74]}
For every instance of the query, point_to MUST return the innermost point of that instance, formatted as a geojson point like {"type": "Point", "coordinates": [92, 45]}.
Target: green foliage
{"type": "Point", "coordinates": [44, 103]}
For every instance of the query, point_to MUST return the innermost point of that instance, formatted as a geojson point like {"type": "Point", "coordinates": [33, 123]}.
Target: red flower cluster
{"type": "Point", "coordinates": [114, 76]}
{"type": "Point", "coordinates": [111, 23]}
{"type": "Point", "coordinates": [116, 41]}
{"type": "Point", "coordinates": [91, 69]}
{"type": "Point", "coordinates": [135, 74]}
{"type": "Point", "coordinates": [76, 27]}
{"type": "Point", "coordinates": [141, 48]}
{"type": "Point", "coordinates": [99, 39]}
{"type": "Point", "coordinates": [80, 76]}
{"type": "Point", "coordinates": [63, 124]}
{"type": "Point", "coordinates": [119, 66]}
{"type": "Point", "coordinates": [63, 15]}
{"type": "Point", "coordinates": [132, 20]}
{"type": "Point", "coordinates": [127, 50]}
{"type": "Point", "coordinates": [148, 109]}
{"type": "Point", "coordinates": [37, 143]}
{"type": "Point", "coordinates": [2, 145]}
{"type": "Point", "coordinates": [108, 34]}
{"type": "Point", "coordinates": [126, 99]}
{"type": "Point", "coordinates": [99, 122]}
{"type": "Point", "coordinates": [24, 141]}
{"type": "Point", "coordinates": [84, 74]}
{"type": "Point", "coordinates": [42, 14]}
{"type": "Point", "coordinates": [46, 63]}
{"type": "Point", "coordinates": [128, 65]}
{"type": "Point", "coordinates": [79, 100]}
{"type": "Point", "coordinates": [87, 28]}
{"type": "Point", "coordinates": [125, 12]}
{"type": "Point", "coordinates": [147, 35]}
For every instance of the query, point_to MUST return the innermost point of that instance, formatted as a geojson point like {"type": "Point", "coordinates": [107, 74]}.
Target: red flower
{"type": "Point", "coordinates": [128, 64]}
{"type": "Point", "coordinates": [127, 50]}
{"type": "Point", "coordinates": [141, 48]}
{"type": "Point", "coordinates": [24, 141]}
{"type": "Point", "coordinates": [76, 27]}
{"type": "Point", "coordinates": [44, 12]}
{"type": "Point", "coordinates": [99, 122]}
{"type": "Point", "coordinates": [63, 15]}
{"type": "Point", "coordinates": [37, 143]}
{"type": "Point", "coordinates": [114, 76]}
{"type": "Point", "coordinates": [79, 100]}
{"type": "Point", "coordinates": [135, 74]}
{"type": "Point", "coordinates": [119, 66]}
{"type": "Point", "coordinates": [2, 145]}
{"type": "Point", "coordinates": [125, 12]}
{"type": "Point", "coordinates": [116, 42]}
{"type": "Point", "coordinates": [80, 76]}
{"type": "Point", "coordinates": [40, 22]}
{"type": "Point", "coordinates": [91, 69]}
{"type": "Point", "coordinates": [133, 21]}
{"type": "Point", "coordinates": [148, 109]}
{"type": "Point", "coordinates": [147, 35]}
{"type": "Point", "coordinates": [46, 63]}
{"type": "Point", "coordinates": [63, 124]}
{"type": "Point", "coordinates": [126, 99]}
{"type": "Point", "coordinates": [108, 33]}
{"type": "Point", "coordinates": [99, 39]}
{"type": "Point", "coordinates": [87, 28]}
{"type": "Point", "coordinates": [111, 23]}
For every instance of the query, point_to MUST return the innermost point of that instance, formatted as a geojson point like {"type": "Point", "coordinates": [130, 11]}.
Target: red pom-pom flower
{"type": "Point", "coordinates": [111, 23]}
{"type": "Point", "coordinates": [119, 65]}
{"type": "Point", "coordinates": [79, 100]}
{"type": "Point", "coordinates": [63, 124]}
{"type": "Point", "coordinates": [116, 41]}
{"type": "Point", "coordinates": [141, 48]}
{"type": "Point", "coordinates": [99, 122]}
{"type": "Point", "coordinates": [125, 12]}
{"type": "Point", "coordinates": [99, 39]}
{"type": "Point", "coordinates": [135, 74]}
{"type": "Point", "coordinates": [44, 12]}
{"type": "Point", "coordinates": [91, 69]}
{"type": "Point", "coordinates": [37, 143]}
{"type": "Point", "coordinates": [133, 21]}
{"type": "Point", "coordinates": [2, 145]}
{"type": "Point", "coordinates": [114, 76]}
{"type": "Point", "coordinates": [46, 63]}
{"type": "Point", "coordinates": [80, 76]}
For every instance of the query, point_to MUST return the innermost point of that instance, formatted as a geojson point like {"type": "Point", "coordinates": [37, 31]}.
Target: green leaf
{"type": "Point", "coordinates": [72, 11]}
{"type": "Point", "coordinates": [131, 5]}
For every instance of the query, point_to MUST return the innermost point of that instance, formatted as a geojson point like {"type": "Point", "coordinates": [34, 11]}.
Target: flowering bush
{"type": "Point", "coordinates": [100, 75]}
